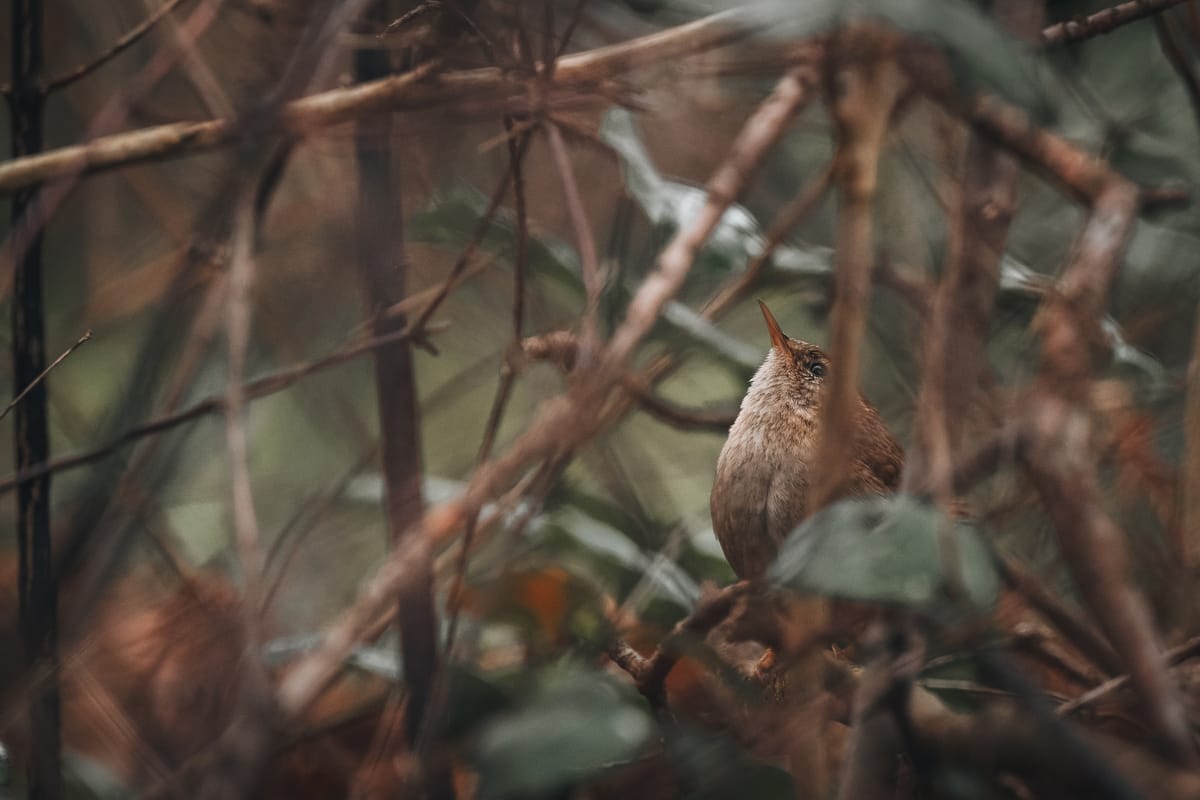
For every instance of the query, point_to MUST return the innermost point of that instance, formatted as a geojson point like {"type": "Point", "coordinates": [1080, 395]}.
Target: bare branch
{"type": "Point", "coordinates": [1062, 469]}
{"type": "Point", "coordinates": [87, 335]}
{"type": "Point", "coordinates": [1175, 656]}
{"type": "Point", "coordinates": [1106, 21]}
{"type": "Point", "coordinates": [593, 280]}
{"type": "Point", "coordinates": [864, 66]}
{"type": "Point", "coordinates": [561, 422]}
{"type": "Point", "coordinates": [238, 318]}
{"type": "Point", "coordinates": [118, 47]}
{"type": "Point", "coordinates": [412, 90]}
{"type": "Point", "coordinates": [259, 387]}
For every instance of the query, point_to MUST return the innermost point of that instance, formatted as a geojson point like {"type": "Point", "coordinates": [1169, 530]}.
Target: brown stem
{"type": "Point", "coordinates": [383, 266]}
{"type": "Point", "coordinates": [412, 90]}
{"type": "Point", "coordinates": [1106, 21]}
{"type": "Point", "coordinates": [259, 387]}
{"type": "Point", "coordinates": [1062, 468]}
{"type": "Point", "coordinates": [561, 422]}
{"type": "Point", "coordinates": [865, 85]}
{"type": "Point", "coordinates": [37, 589]}
{"type": "Point", "coordinates": [119, 46]}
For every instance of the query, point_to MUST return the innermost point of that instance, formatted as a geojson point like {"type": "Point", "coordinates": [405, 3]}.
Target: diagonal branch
{"type": "Point", "coordinates": [121, 45]}
{"type": "Point", "coordinates": [415, 89]}
{"type": "Point", "coordinates": [254, 389]}
{"type": "Point", "coordinates": [563, 422]}
{"type": "Point", "coordinates": [1106, 21]}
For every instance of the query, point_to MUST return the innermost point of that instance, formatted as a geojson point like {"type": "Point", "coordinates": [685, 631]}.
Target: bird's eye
{"type": "Point", "coordinates": [816, 369]}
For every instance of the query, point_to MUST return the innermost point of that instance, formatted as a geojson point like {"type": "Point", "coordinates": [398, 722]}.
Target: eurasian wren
{"type": "Point", "coordinates": [763, 474]}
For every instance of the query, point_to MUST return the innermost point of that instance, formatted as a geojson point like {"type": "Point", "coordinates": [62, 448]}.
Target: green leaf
{"type": "Point", "coordinates": [888, 550]}
{"type": "Point", "coordinates": [611, 544]}
{"type": "Point", "coordinates": [577, 723]}
{"type": "Point", "coordinates": [670, 203]}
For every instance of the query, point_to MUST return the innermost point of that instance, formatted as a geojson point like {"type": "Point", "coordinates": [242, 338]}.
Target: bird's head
{"type": "Point", "coordinates": [794, 372]}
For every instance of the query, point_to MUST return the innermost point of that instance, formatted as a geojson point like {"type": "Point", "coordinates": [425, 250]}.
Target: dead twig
{"type": "Point", "coordinates": [585, 242]}
{"type": "Point", "coordinates": [561, 422]}
{"type": "Point", "coordinates": [412, 90]}
{"type": "Point", "coordinates": [650, 674]}
{"type": "Point", "coordinates": [122, 44]}
{"type": "Point", "coordinates": [1078, 632]}
{"type": "Point", "coordinates": [87, 335]}
{"type": "Point", "coordinates": [259, 387]}
{"type": "Point", "coordinates": [1106, 21]}
{"type": "Point", "coordinates": [1174, 657]}
{"type": "Point", "coordinates": [1059, 461]}
{"type": "Point", "coordinates": [865, 84]}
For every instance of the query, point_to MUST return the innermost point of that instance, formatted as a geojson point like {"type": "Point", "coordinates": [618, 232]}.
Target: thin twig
{"type": "Point", "coordinates": [412, 90]}
{"type": "Point", "coordinates": [1106, 21]}
{"type": "Point", "coordinates": [1085, 638]}
{"type": "Point", "coordinates": [650, 674]}
{"type": "Point", "coordinates": [481, 229]}
{"type": "Point", "coordinates": [87, 335]}
{"type": "Point", "coordinates": [238, 319]}
{"type": "Point", "coordinates": [1175, 656]}
{"type": "Point", "coordinates": [780, 227]}
{"type": "Point", "coordinates": [564, 421]}
{"type": "Point", "coordinates": [130, 38]}
{"type": "Point", "coordinates": [516, 154]}
{"type": "Point", "coordinates": [585, 242]}
{"type": "Point", "coordinates": [259, 387]}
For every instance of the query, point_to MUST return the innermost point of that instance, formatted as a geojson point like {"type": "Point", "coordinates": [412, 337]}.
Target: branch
{"type": "Point", "coordinates": [1042, 600]}
{"type": "Point", "coordinates": [955, 355]}
{"type": "Point", "coordinates": [118, 47]}
{"type": "Point", "coordinates": [650, 674]}
{"type": "Point", "coordinates": [238, 321]}
{"type": "Point", "coordinates": [87, 335]}
{"type": "Point", "coordinates": [585, 242]}
{"type": "Point", "coordinates": [1174, 657]}
{"type": "Point", "coordinates": [1106, 21]}
{"type": "Point", "coordinates": [259, 387]}
{"type": "Point", "coordinates": [869, 84]}
{"type": "Point", "coordinates": [563, 422]}
{"type": "Point", "coordinates": [1062, 468]}
{"type": "Point", "coordinates": [562, 349]}
{"type": "Point", "coordinates": [416, 89]}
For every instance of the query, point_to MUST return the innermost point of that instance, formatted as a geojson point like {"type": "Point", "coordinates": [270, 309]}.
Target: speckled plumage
{"type": "Point", "coordinates": [763, 473]}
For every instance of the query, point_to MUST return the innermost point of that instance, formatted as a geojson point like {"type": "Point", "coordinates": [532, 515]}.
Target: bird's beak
{"type": "Point", "coordinates": [778, 340]}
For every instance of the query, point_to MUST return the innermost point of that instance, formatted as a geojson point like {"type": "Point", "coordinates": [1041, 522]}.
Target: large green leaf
{"type": "Point", "coordinates": [576, 723]}
{"type": "Point", "coordinates": [891, 550]}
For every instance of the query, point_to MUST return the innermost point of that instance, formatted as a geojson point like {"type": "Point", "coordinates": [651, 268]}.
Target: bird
{"type": "Point", "coordinates": [768, 462]}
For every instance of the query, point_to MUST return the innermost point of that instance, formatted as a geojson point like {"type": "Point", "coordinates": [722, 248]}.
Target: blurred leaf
{"type": "Point", "coordinates": [471, 699]}
{"type": "Point", "coordinates": [720, 342]}
{"type": "Point", "coordinates": [669, 203]}
{"type": "Point", "coordinates": [712, 767]}
{"type": "Point", "coordinates": [375, 659]}
{"type": "Point", "coordinates": [576, 723]}
{"type": "Point", "coordinates": [88, 779]}
{"type": "Point", "coordinates": [889, 550]}
{"type": "Point", "coordinates": [603, 540]}
{"type": "Point", "coordinates": [982, 53]}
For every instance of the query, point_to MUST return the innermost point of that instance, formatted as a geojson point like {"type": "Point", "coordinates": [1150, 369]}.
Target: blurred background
{"type": "Point", "coordinates": [139, 256]}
